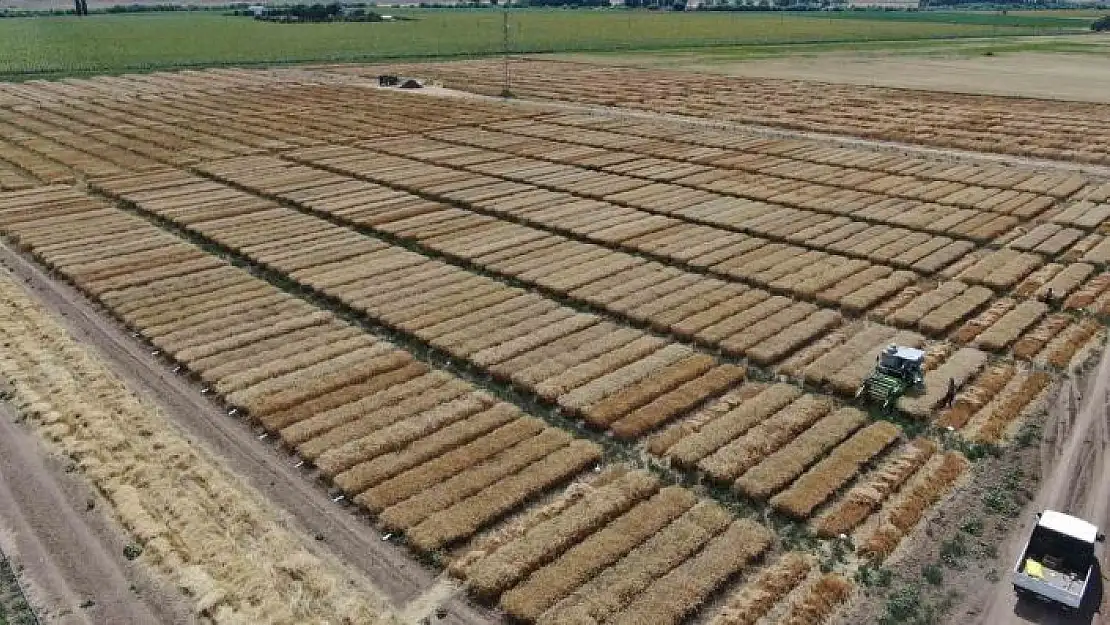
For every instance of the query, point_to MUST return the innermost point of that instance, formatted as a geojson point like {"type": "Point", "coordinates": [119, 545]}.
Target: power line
{"type": "Point", "coordinates": [506, 87]}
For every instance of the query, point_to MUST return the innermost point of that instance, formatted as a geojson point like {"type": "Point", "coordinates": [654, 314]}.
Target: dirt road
{"type": "Point", "coordinates": [71, 555]}
{"type": "Point", "coordinates": [1076, 480]}
{"type": "Point", "coordinates": [304, 502]}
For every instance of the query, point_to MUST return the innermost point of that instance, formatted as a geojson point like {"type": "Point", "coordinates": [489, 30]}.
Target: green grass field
{"type": "Point", "coordinates": [57, 46]}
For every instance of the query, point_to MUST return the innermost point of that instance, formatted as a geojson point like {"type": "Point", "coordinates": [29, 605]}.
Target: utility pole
{"type": "Point", "coordinates": [506, 89]}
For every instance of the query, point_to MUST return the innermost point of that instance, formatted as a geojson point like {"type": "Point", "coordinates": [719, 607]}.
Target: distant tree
{"type": "Point", "coordinates": [1102, 24]}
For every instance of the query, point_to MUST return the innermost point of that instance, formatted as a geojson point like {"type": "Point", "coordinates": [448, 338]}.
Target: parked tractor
{"type": "Point", "coordinates": [897, 370]}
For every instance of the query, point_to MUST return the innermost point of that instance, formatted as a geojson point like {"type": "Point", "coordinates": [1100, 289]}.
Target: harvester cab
{"type": "Point", "coordinates": [897, 370]}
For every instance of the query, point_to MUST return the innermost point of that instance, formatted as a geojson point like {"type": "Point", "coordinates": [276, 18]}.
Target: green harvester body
{"type": "Point", "coordinates": [898, 370]}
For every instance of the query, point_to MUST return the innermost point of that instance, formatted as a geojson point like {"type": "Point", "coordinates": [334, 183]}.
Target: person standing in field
{"type": "Point", "coordinates": [950, 396]}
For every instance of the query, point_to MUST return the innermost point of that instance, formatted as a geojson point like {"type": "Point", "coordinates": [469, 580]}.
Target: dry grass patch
{"type": "Point", "coordinates": [830, 474]}
{"type": "Point", "coordinates": [680, 592]}
{"type": "Point", "coordinates": [817, 602]}
{"type": "Point", "coordinates": [201, 529]}
{"type": "Point", "coordinates": [755, 598]}
{"type": "Point", "coordinates": [723, 428]}
{"type": "Point", "coordinates": [580, 563]}
{"type": "Point", "coordinates": [543, 543]}
{"type": "Point", "coordinates": [608, 593]}
{"type": "Point", "coordinates": [901, 515]}
{"type": "Point", "coordinates": [873, 488]}
{"type": "Point", "coordinates": [786, 464]}
{"type": "Point", "coordinates": [680, 400]}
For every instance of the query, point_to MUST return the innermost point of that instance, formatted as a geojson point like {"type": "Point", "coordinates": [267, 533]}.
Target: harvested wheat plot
{"type": "Point", "coordinates": [517, 336]}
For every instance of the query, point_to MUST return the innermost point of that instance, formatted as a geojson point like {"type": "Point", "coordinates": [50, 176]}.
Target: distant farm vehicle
{"type": "Point", "coordinates": [1059, 560]}
{"type": "Point", "coordinates": [389, 80]}
{"type": "Point", "coordinates": [898, 370]}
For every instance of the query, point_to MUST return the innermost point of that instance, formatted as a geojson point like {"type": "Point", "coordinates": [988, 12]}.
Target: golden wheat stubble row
{"type": "Point", "coordinates": [754, 107]}
{"type": "Point", "coordinates": [529, 599]}
{"type": "Point", "coordinates": [639, 196]}
{"type": "Point", "coordinates": [513, 562]}
{"type": "Point", "coordinates": [646, 417]}
{"type": "Point", "coordinates": [1001, 269]}
{"type": "Point", "coordinates": [783, 466]}
{"type": "Point", "coordinates": [735, 457]}
{"type": "Point", "coordinates": [194, 333]}
{"type": "Point", "coordinates": [757, 597]}
{"type": "Point", "coordinates": [606, 594]}
{"type": "Point", "coordinates": [360, 163]}
{"type": "Point", "coordinates": [691, 299]}
{"type": "Point", "coordinates": [818, 601]}
{"type": "Point", "coordinates": [901, 514]}
{"type": "Point", "coordinates": [873, 488]}
{"type": "Point", "coordinates": [973, 397]}
{"type": "Point", "coordinates": [465, 516]}
{"type": "Point", "coordinates": [987, 420]}
{"type": "Point", "coordinates": [815, 160]}
{"type": "Point", "coordinates": [835, 470]}
{"type": "Point", "coordinates": [761, 173]}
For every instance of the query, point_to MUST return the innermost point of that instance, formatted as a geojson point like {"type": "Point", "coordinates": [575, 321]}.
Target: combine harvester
{"type": "Point", "coordinates": [1059, 561]}
{"type": "Point", "coordinates": [897, 371]}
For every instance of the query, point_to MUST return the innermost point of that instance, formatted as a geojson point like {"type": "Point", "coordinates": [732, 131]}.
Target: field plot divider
{"type": "Point", "coordinates": [688, 219]}
{"type": "Point", "coordinates": [438, 358]}
{"type": "Point", "coordinates": [413, 244]}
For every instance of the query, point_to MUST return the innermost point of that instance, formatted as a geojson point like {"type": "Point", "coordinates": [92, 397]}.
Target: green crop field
{"type": "Point", "coordinates": [56, 46]}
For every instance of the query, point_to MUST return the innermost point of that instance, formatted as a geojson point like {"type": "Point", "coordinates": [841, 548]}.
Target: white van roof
{"type": "Point", "coordinates": [1068, 525]}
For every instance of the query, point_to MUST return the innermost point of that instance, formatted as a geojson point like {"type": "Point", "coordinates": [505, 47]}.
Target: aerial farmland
{"type": "Point", "coordinates": [588, 354]}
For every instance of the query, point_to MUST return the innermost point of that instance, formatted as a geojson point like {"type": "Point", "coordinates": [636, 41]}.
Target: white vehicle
{"type": "Point", "coordinates": [1058, 560]}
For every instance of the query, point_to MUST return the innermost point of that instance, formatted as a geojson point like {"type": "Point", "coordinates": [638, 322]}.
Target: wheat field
{"type": "Point", "coordinates": [515, 335]}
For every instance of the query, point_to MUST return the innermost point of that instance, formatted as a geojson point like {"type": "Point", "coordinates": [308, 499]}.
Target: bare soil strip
{"type": "Point", "coordinates": [305, 506]}
{"type": "Point", "coordinates": [1075, 479]}
{"type": "Point", "coordinates": [70, 555]}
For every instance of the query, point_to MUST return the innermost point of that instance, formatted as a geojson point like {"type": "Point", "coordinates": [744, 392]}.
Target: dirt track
{"type": "Point", "coordinates": [306, 504]}
{"type": "Point", "coordinates": [1076, 480]}
{"type": "Point", "coordinates": [70, 554]}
